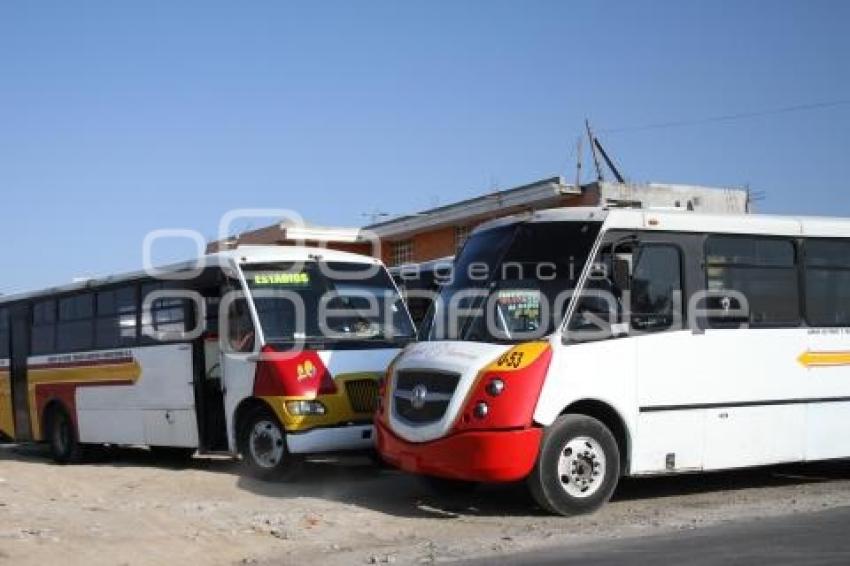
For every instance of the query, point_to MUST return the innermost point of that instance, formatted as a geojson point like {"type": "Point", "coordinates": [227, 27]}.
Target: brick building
{"type": "Point", "coordinates": [439, 232]}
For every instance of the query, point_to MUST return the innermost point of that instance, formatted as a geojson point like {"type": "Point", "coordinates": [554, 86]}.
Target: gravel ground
{"type": "Point", "coordinates": [135, 509]}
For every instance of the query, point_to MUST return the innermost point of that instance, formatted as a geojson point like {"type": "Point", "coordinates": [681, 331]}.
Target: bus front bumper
{"type": "Point", "coordinates": [331, 439]}
{"type": "Point", "coordinates": [481, 456]}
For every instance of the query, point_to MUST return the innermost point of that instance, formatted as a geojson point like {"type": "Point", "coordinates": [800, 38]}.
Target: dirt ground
{"type": "Point", "coordinates": [134, 509]}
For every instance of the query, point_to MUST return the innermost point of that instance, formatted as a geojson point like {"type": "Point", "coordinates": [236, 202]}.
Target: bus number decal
{"type": "Point", "coordinates": [512, 359]}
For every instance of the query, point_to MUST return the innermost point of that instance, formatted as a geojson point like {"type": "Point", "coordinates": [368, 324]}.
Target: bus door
{"type": "Point", "coordinates": [671, 381]}
{"type": "Point", "coordinates": [237, 359]}
{"type": "Point", "coordinates": [723, 392]}
{"type": "Point", "coordinates": [209, 386]}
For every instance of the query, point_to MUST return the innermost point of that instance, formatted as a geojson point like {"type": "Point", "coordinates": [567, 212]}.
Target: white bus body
{"type": "Point", "coordinates": [750, 367]}
{"type": "Point", "coordinates": [83, 364]}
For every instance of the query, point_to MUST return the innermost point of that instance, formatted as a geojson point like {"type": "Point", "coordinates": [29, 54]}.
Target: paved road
{"type": "Point", "coordinates": [808, 538]}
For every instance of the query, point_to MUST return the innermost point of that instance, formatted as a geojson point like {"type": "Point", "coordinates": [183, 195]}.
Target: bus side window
{"type": "Point", "coordinates": [763, 269]}
{"type": "Point", "coordinates": [75, 329]}
{"type": "Point", "coordinates": [116, 321]}
{"type": "Point", "coordinates": [43, 334]}
{"type": "Point", "coordinates": [166, 314]}
{"type": "Point", "coordinates": [656, 288]}
{"type": "Point", "coordinates": [827, 272]}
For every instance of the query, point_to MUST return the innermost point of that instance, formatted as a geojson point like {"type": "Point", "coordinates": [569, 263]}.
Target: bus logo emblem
{"type": "Point", "coordinates": [306, 371]}
{"type": "Point", "coordinates": [418, 396]}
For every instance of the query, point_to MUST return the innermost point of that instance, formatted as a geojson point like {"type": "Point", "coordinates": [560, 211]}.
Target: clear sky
{"type": "Point", "coordinates": [117, 118]}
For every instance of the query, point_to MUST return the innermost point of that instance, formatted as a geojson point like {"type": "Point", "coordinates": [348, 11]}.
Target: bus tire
{"type": "Point", "coordinates": [578, 466]}
{"type": "Point", "coordinates": [262, 445]}
{"type": "Point", "coordinates": [61, 437]}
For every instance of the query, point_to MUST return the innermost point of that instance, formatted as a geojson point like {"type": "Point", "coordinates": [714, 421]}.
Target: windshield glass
{"type": "Point", "coordinates": [335, 301]}
{"type": "Point", "coordinates": [512, 283]}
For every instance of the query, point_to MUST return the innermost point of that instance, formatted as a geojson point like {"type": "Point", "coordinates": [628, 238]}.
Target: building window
{"type": "Point", "coordinates": [461, 234]}
{"type": "Point", "coordinates": [402, 252]}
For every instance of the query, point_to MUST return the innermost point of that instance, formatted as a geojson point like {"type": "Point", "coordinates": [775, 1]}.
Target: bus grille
{"type": "Point", "coordinates": [422, 397]}
{"type": "Point", "coordinates": [362, 394]}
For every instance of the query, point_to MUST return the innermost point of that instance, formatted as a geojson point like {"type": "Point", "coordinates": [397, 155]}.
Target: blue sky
{"type": "Point", "coordinates": [117, 118]}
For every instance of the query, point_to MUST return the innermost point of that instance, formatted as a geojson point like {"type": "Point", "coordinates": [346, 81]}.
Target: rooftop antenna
{"type": "Point", "coordinates": [590, 138]}
{"type": "Point", "coordinates": [595, 146]}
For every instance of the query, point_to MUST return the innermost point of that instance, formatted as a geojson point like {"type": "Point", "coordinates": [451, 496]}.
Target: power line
{"type": "Point", "coordinates": [728, 117]}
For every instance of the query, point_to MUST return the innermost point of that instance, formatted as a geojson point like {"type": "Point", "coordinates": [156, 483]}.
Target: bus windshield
{"type": "Point", "coordinates": [512, 283]}
{"type": "Point", "coordinates": [331, 302]}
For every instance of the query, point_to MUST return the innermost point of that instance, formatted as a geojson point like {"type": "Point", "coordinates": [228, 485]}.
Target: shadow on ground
{"type": "Point", "coordinates": [355, 480]}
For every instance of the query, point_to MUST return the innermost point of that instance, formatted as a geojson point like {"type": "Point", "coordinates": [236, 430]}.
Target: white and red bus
{"type": "Point", "coordinates": [576, 346]}
{"type": "Point", "coordinates": [267, 352]}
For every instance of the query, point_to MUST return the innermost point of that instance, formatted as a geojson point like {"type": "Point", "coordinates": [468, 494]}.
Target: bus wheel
{"type": "Point", "coordinates": [577, 468]}
{"type": "Point", "coordinates": [60, 434]}
{"type": "Point", "coordinates": [262, 444]}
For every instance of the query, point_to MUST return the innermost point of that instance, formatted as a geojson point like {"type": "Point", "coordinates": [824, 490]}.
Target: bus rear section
{"type": "Point", "coordinates": [216, 361]}
{"type": "Point", "coordinates": [680, 342]}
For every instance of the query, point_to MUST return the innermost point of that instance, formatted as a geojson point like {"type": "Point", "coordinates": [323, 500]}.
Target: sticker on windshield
{"type": "Point", "coordinates": [281, 278]}
{"type": "Point", "coordinates": [520, 303]}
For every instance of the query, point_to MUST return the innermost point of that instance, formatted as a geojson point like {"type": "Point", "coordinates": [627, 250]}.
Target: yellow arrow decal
{"type": "Point", "coordinates": [824, 359]}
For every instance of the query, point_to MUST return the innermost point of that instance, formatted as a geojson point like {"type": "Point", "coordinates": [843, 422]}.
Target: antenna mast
{"type": "Point", "coordinates": [591, 139]}
{"type": "Point", "coordinates": [595, 147]}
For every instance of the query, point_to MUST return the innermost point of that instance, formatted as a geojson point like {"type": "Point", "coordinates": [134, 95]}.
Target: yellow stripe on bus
{"type": "Point", "coordinates": [824, 359]}
{"type": "Point", "coordinates": [7, 419]}
{"type": "Point", "coordinates": [128, 371]}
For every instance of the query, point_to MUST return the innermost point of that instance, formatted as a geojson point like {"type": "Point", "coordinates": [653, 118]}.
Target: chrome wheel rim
{"type": "Point", "coordinates": [266, 444]}
{"type": "Point", "coordinates": [581, 467]}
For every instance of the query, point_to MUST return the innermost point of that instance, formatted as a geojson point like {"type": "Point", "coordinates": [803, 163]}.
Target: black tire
{"type": "Point", "coordinates": [62, 437]}
{"type": "Point", "coordinates": [578, 466]}
{"type": "Point", "coordinates": [448, 487]}
{"type": "Point", "coordinates": [262, 445]}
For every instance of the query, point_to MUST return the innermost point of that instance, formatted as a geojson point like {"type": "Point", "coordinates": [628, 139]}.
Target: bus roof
{"type": "Point", "coordinates": [685, 221]}
{"type": "Point", "coordinates": [240, 255]}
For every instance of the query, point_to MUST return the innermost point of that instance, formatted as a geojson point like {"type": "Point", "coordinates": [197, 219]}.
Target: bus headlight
{"type": "Point", "coordinates": [495, 387]}
{"type": "Point", "coordinates": [305, 408]}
